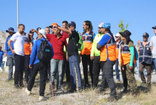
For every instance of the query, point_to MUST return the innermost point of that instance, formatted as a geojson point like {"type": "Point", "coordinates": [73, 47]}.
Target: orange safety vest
{"type": "Point", "coordinates": [117, 50]}
{"type": "Point", "coordinates": [87, 43]}
{"type": "Point", "coordinates": [109, 50]}
{"type": "Point", "coordinates": [27, 49]}
{"type": "Point", "coordinates": [126, 55]}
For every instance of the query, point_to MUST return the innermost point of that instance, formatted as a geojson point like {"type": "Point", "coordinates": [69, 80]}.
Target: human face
{"type": "Point", "coordinates": [154, 31]}
{"type": "Point", "coordinates": [11, 33]}
{"type": "Point", "coordinates": [56, 31]}
{"type": "Point", "coordinates": [123, 39]}
{"type": "Point", "coordinates": [103, 30]}
{"type": "Point", "coordinates": [47, 30]}
{"type": "Point", "coordinates": [117, 38]}
{"type": "Point", "coordinates": [21, 29]}
{"type": "Point", "coordinates": [39, 35]}
{"type": "Point", "coordinates": [145, 39]}
{"type": "Point", "coordinates": [64, 25]}
{"type": "Point", "coordinates": [84, 26]}
{"type": "Point", "coordinates": [99, 30]}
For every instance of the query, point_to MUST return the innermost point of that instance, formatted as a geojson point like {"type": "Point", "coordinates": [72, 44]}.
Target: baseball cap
{"type": "Point", "coordinates": [72, 24]}
{"type": "Point", "coordinates": [100, 25]}
{"type": "Point", "coordinates": [145, 34]}
{"type": "Point", "coordinates": [106, 25]}
{"type": "Point", "coordinates": [154, 27]}
{"type": "Point", "coordinates": [117, 34]}
{"type": "Point", "coordinates": [53, 24]}
{"type": "Point", "coordinates": [42, 31]}
{"type": "Point", "coordinates": [10, 29]}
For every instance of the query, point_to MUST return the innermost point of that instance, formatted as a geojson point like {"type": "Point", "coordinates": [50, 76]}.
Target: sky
{"type": "Point", "coordinates": [139, 14]}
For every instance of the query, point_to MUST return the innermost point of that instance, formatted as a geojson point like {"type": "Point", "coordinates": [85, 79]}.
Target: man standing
{"type": "Point", "coordinates": [153, 47]}
{"type": "Point", "coordinates": [107, 46]}
{"type": "Point", "coordinates": [145, 59]}
{"type": "Point", "coordinates": [8, 52]}
{"type": "Point", "coordinates": [39, 65]}
{"type": "Point", "coordinates": [87, 37]}
{"type": "Point", "coordinates": [18, 50]}
{"type": "Point", "coordinates": [118, 42]}
{"type": "Point", "coordinates": [72, 56]}
{"type": "Point", "coordinates": [58, 41]}
{"type": "Point", "coordinates": [95, 56]}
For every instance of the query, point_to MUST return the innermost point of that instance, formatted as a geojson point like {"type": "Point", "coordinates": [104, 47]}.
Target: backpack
{"type": "Point", "coordinates": [80, 43]}
{"type": "Point", "coordinates": [45, 51]}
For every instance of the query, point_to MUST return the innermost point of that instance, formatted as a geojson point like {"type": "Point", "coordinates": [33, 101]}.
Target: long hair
{"type": "Point", "coordinates": [128, 39]}
{"type": "Point", "coordinates": [89, 23]}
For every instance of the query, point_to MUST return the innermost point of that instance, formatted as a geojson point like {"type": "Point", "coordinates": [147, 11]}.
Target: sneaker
{"type": "Point", "coordinates": [42, 98]}
{"type": "Point", "coordinates": [17, 86]}
{"type": "Point", "coordinates": [111, 99]}
{"type": "Point", "coordinates": [27, 91]}
{"type": "Point", "coordinates": [124, 91]}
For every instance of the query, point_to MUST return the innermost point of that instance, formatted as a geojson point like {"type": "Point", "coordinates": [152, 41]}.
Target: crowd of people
{"type": "Point", "coordinates": [57, 51]}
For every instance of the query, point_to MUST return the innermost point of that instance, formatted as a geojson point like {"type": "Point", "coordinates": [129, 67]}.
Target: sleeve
{"type": "Point", "coordinates": [48, 36]}
{"type": "Point", "coordinates": [33, 53]}
{"type": "Point", "coordinates": [6, 44]}
{"type": "Point", "coordinates": [14, 37]}
{"type": "Point", "coordinates": [52, 52]}
{"type": "Point", "coordinates": [75, 35]}
{"type": "Point", "coordinates": [132, 56]}
{"type": "Point", "coordinates": [93, 49]}
{"type": "Point", "coordinates": [151, 43]}
{"type": "Point", "coordinates": [103, 41]}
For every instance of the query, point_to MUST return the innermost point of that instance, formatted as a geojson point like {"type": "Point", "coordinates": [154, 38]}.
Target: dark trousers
{"type": "Point", "coordinates": [107, 76]}
{"type": "Point", "coordinates": [26, 67]}
{"type": "Point", "coordinates": [97, 65]}
{"type": "Point", "coordinates": [19, 66]}
{"type": "Point", "coordinates": [85, 62]}
{"type": "Point", "coordinates": [148, 69]}
{"type": "Point", "coordinates": [128, 76]}
{"type": "Point", "coordinates": [42, 68]}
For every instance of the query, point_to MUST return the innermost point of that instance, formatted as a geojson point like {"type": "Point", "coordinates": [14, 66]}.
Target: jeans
{"type": "Point", "coordinates": [75, 72]}
{"type": "Point", "coordinates": [107, 76]}
{"type": "Point", "coordinates": [42, 68]}
{"type": "Point", "coordinates": [117, 70]}
{"type": "Point", "coordinates": [54, 64]}
{"type": "Point", "coordinates": [19, 66]}
{"type": "Point", "coordinates": [154, 60]}
{"type": "Point", "coordinates": [2, 65]}
{"type": "Point", "coordinates": [10, 63]}
{"type": "Point", "coordinates": [26, 68]}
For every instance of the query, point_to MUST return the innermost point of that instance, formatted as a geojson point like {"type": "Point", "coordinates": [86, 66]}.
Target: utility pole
{"type": "Point", "coordinates": [17, 12]}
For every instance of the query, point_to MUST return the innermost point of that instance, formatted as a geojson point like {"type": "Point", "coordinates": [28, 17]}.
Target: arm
{"type": "Point", "coordinates": [9, 44]}
{"type": "Point", "coordinates": [6, 45]}
{"type": "Point", "coordinates": [151, 44]}
{"type": "Point", "coordinates": [105, 39]}
{"type": "Point", "coordinates": [65, 30]}
{"type": "Point", "coordinates": [93, 51]}
{"type": "Point", "coordinates": [132, 56]}
{"type": "Point", "coordinates": [33, 54]}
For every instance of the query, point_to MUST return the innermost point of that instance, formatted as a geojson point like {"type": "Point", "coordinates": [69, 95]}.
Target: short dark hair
{"type": "Point", "coordinates": [21, 25]}
{"type": "Point", "coordinates": [30, 31]}
{"type": "Point", "coordinates": [47, 27]}
{"type": "Point", "coordinates": [65, 22]}
{"type": "Point", "coordinates": [89, 23]}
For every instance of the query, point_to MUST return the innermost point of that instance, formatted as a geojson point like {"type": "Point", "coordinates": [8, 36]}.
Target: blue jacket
{"type": "Point", "coordinates": [7, 49]}
{"type": "Point", "coordinates": [33, 57]}
{"type": "Point", "coordinates": [1, 55]}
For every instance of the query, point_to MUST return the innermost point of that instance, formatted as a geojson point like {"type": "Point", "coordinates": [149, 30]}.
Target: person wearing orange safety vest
{"type": "Point", "coordinates": [128, 60]}
{"type": "Point", "coordinates": [107, 47]}
{"type": "Point", "coordinates": [87, 38]}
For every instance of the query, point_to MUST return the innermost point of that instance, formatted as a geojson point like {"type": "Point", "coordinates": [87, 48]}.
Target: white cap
{"type": "Point", "coordinates": [42, 31]}
{"type": "Point", "coordinates": [117, 34]}
{"type": "Point", "coordinates": [100, 25]}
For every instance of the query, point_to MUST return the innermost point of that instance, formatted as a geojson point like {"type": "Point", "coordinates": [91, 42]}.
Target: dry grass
{"type": "Point", "coordinates": [11, 96]}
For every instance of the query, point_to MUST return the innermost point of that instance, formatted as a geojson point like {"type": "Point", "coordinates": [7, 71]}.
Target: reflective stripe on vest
{"type": "Point", "coordinates": [109, 50]}
{"type": "Point", "coordinates": [145, 54]}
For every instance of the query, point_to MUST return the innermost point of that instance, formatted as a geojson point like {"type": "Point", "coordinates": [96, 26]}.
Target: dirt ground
{"type": "Point", "coordinates": [12, 96]}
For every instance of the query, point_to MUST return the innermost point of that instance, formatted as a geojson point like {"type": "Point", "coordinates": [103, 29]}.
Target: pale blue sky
{"type": "Point", "coordinates": [140, 14]}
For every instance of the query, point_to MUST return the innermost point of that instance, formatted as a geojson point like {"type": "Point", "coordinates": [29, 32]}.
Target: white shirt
{"type": "Point", "coordinates": [18, 41]}
{"type": "Point", "coordinates": [153, 44]}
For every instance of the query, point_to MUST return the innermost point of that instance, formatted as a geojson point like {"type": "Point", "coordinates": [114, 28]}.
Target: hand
{"type": "Point", "coordinates": [130, 67]}
{"type": "Point", "coordinates": [13, 52]}
{"type": "Point", "coordinates": [30, 66]}
{"type": "Point", "coordinates": [67, 57]}
{"type": "Point", "coordinates": [33, 30]}
{"type": "Point", "coordinates": [5, 54]}
{"type": "Point", "coordinates": [92, 57]}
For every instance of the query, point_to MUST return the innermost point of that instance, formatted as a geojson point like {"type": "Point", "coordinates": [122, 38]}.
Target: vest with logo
{"type": "Point", "coordinates": [87, 43]}
{"type": "Point", "coordinates": [145, 54]}
{"type": "Point", "coordinates": [108, 52]}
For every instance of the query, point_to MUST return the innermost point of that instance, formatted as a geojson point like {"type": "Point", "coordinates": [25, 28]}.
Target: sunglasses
{"type": "Point", "coordinates": [39, 34]}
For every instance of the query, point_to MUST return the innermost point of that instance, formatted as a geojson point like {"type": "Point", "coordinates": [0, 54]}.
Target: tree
{"type": "Point", "coordinates": [122, 26]}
